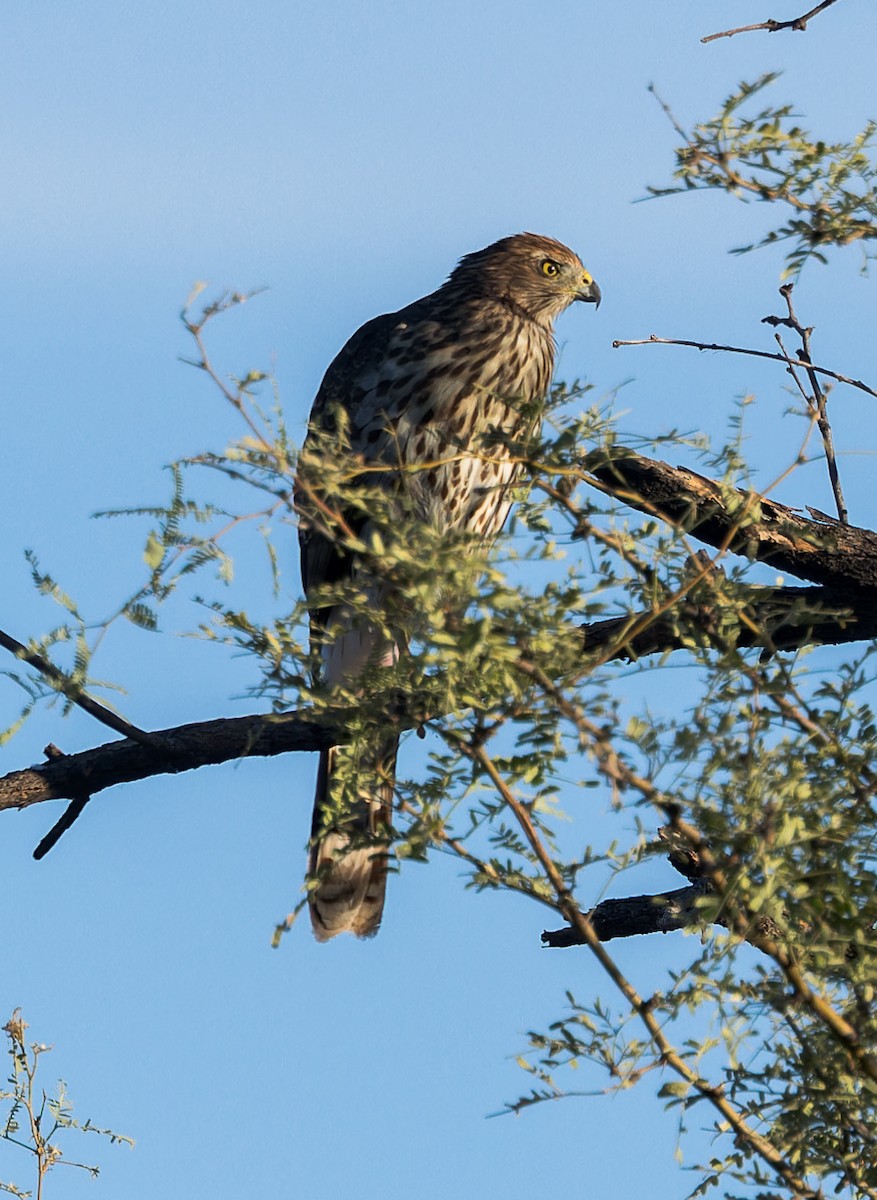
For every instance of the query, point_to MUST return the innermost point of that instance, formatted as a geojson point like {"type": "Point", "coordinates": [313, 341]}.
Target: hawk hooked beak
{"type": "Point", "coordinates": [589, 292]}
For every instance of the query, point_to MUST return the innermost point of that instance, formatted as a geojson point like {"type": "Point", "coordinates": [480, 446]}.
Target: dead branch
{"type": "Point", "coordinates": [635, 915]}
{"type": "Point", "coordinates": [182, 748]}
{"type": "Point", "coordinates": [654, 340]}
{"type": "Point", "coordinates": [771, 26]}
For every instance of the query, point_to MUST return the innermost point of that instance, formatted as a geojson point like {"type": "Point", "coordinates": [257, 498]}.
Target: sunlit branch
{"type": "Point", "coordinates": [819, 548]}
{"type": "Point", "coordinates": [654, 340]}
{"type": "Point", "coordinates": [798, 24]}
{"type": "Point", "coordinates": [669, 1056]}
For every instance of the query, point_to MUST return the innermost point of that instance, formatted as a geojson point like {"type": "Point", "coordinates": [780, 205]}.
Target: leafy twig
{"type": "Point", "coordinates": [65, 685]}
{"type": "Point", "coordinates": [43, 1116]}
{"type": "Point", "coordinates": [642, 1006]}
{"type": "Point", "coordinates": [767, 156]}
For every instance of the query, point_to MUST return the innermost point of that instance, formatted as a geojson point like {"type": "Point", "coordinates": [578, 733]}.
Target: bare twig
{"type": "Point", "coordinates": [235, 396]}
{"type": "Point", "coordinates": [771, 26]}
{"type": "Point", "coordinates": [817, 400]}
{"type": "Point", "coordinates": [70, 814]}
{"type": "Point", "coordinates": [654, 340]}
{"type": "Point", "coordinates": [670, 115]}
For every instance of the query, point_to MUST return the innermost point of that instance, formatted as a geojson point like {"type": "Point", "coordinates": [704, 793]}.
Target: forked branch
{"type": "Point", "coordinates": [842, 558]}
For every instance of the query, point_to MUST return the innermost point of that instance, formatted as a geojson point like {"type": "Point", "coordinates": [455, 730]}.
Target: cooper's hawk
{"type": "Point", "coordinates": [419, 387]}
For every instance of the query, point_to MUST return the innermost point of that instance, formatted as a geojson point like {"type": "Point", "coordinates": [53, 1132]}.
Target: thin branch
{"type": "Point", "coordinates": [64, 684]}
{"type": "Point", "coordinates": [71, 813]}
{"type": "Point", "coordinates": [669, 1056]}
{"type": "Point", "coordinates": [202, 363]}
{"type": "Point", "coordinates": [668, 112]}
{"type": "Point", "coordinates": [817, 401]}
{"type": "Point", "coordinates": [771, 26]}
{"type": "Point", "coordinates": [654, 340]}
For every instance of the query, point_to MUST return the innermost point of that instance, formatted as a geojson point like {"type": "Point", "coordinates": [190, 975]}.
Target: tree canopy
{"type": "Point", "coordinates": [753, 777]}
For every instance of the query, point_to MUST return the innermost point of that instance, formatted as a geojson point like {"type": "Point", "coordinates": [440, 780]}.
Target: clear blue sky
{"type": "Point", "coordinates": [345, 155]}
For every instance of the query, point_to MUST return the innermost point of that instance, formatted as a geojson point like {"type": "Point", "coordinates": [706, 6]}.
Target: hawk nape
{"type": "Point", "coordinates": [416, 387]}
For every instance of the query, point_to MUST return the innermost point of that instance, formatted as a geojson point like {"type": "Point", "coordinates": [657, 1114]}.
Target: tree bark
{"type": "Point", "coordinates": [182, 748]}
{"type": "Point", "coordinates": [817, 548]}
{"type": "Point", "coordinates": [635, 915]}
{"type": "Point", "coordinates": [842, 558]}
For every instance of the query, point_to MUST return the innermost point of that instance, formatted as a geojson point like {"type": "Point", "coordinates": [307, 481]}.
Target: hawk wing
{"type": "Point", "coordinates": [362, 383]}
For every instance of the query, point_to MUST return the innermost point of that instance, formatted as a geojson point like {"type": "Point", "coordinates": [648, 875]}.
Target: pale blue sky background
{"type": "Point", "coordinates": [345, 155]}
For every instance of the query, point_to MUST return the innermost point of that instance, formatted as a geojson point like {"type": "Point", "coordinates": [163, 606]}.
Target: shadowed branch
{"type": "Point", "coordinates": [842, 558]}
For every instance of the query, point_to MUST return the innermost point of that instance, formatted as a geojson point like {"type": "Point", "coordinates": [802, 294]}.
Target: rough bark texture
{"type": "Point", "coordinates": [183, 748]}
{"type": "Point", "coordinates": [816, 548]}
{"type": "Point", "coordinates": [635, 915]}
{"type": "Point", "coordinates": [785, 618]}
{"type": "Point", "coordinates": [843, 559]}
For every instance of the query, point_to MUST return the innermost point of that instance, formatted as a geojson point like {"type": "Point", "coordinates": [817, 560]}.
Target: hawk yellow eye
{"type": "Point", "coordinates": [549, 267]}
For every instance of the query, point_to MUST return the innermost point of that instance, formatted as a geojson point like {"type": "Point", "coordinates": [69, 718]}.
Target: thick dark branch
{"type": "Point", "coordinates": [635, 915]}
{"type": "Point", "coordinates": [663, 913]}
{"type": "Point", "coordinates": [781, 619]}
{"type": "Point", "coordinates": [678, 909]}
{"type": "Point", "coordinates": [817, 548]}
{"type": "Point", "coordinates": [842, 557]}
{"type": "Point", "coordinates": [182, 748]}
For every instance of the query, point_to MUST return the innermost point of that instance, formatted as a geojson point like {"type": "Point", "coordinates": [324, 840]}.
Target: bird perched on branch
{"type": "Point", "coordinates": [419, 388]}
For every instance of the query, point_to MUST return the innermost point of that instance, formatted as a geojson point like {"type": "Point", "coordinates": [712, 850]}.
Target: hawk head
{"type": "Point", "coordinates": [536, 275]}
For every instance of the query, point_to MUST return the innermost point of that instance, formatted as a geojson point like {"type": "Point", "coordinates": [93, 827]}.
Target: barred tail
{"type": "Point", "coordinates": [348, 855]}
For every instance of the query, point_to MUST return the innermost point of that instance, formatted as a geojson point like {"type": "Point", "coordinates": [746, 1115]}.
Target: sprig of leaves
{"type": "Point", "coordinates": [830, 187]}
{"type": "Point", "coordinates": [36, 1120]}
